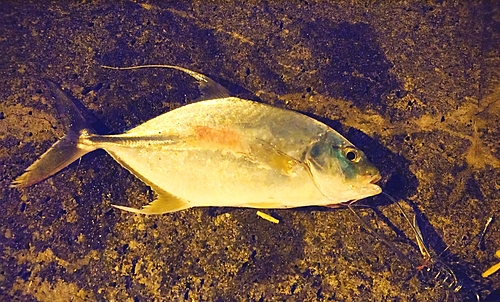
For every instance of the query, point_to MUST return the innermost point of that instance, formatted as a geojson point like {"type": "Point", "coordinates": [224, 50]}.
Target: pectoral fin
{"type": "Point", "coordinates": [274, 158]}
{"type": "Point", "coordinates": [165, 203]}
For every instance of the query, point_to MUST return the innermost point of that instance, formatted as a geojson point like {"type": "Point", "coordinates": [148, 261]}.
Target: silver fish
{"type": "Point", "coordinates": [223, 151]}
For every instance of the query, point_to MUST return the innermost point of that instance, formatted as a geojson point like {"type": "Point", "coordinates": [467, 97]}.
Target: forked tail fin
{"type": "Point", "coordinates": [67, 149]}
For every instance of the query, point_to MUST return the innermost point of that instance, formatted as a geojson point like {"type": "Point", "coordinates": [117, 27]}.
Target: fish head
{"type": "Point", "coordinates": [340, 170]}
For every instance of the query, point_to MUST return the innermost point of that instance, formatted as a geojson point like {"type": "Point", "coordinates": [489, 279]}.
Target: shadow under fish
{"type": "Point", "coordinates": [223, 151]}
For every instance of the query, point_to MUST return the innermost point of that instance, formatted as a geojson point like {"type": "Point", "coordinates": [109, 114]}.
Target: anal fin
{"type": "Point", "coordinates": [165, 203]}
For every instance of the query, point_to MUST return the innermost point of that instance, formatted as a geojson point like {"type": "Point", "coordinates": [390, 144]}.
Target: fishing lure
{"type": "Point", "coordinates": [434, 272]}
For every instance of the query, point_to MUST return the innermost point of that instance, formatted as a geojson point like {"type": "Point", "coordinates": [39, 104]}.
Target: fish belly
{"type": "Point", "coordinates": [208, 177]}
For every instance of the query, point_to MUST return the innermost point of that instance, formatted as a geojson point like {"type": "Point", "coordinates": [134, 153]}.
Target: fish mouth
{"type": "Point", "coordinates": [375, 178]}
{"type": "Point", "coordinates": [368, 180]}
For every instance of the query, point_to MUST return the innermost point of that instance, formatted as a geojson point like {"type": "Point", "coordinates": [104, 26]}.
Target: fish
{"type": "Point", "coordinates": [221, 151]}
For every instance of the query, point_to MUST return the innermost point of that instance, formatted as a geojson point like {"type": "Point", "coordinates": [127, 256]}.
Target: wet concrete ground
{"type": "Point", "coordinates": [416, 86]}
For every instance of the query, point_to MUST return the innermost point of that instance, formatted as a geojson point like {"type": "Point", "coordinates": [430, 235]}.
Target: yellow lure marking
{"type": "Point", "coordinates": [494, 268]}
{"type": "Point", "coordinates": [267, 217]}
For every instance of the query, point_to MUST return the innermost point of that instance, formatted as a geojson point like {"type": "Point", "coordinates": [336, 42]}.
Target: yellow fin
{"type": "Point", "coordinates": [273, 157]}
{"type": "Point", "coordinates": [165, 203]}
{"type": "Point", "coordinates": [282, 162]}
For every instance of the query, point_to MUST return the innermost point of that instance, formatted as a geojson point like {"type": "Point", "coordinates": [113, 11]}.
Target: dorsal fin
{"type": "Point", "coordinates": [209, 89]}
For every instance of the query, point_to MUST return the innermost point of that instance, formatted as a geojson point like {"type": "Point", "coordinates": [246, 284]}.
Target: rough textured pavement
{"type": "Point", "coordinates": [416, 86]}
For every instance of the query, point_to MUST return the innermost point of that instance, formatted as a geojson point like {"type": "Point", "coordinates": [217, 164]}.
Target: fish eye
{"type": "Point", "coordinates": [352, 154]}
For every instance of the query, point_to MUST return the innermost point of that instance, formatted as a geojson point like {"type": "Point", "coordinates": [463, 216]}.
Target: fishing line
{"type": "Point", "coordinates": [482, 246]}
{"type": "Point", "coordinates": [380, 237]}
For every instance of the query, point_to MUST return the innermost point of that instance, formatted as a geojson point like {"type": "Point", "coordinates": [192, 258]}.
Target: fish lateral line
{"type": "Point", "coordinates": [153, 140]}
